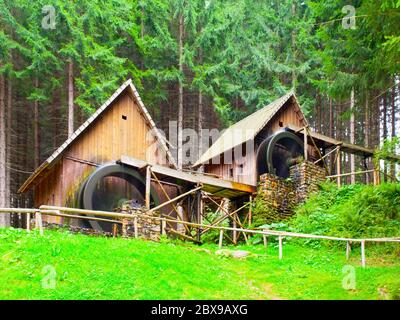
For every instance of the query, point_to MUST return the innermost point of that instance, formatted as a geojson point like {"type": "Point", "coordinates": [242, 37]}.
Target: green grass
{"type": "Point", "coordinates": [106, 268]}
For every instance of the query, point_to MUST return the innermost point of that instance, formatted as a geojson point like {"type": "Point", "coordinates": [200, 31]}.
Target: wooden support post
{"type": "Point", "coordinates": [376, 176]}
{"type": "Point", "coordinates": [280, 248]}
{"type": "Point", "coordinates": [339, 168]}
{"type": "Point", "coordinates": [234, 232]}
{"type": "Point", "coordinates": [363, 253]}
{"type": "Point", "coordinates": [163, 227]}
{"type": "Point", "coordinates": [28, 221]}
{"type": "Point", "coordinates": [221, 237]}
{"type": "Point", "coordinates": [135, 226]}
{"type": "Point", "coordinates": [250, 210]}
{"type": "Point", "coordinates": [348, 249]}
{"type": "Point", "coordinates": [305, 144]}
{"type": "Point", "coordinates": [148, 186]}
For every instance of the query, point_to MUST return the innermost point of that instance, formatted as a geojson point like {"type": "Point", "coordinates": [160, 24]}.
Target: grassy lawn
{"type": "Point", "coordinates": [105, 268]}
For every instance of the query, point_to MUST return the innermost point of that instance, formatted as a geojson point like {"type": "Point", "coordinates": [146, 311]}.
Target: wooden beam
{"type": "Point", "coordinates": [339, 168]}
{"type": "Point", "coordinates": [175, 199]}
{"type": "Point", "coordinates": [349, 174]}
{"type": "Point", "coordinates": [305, 144]}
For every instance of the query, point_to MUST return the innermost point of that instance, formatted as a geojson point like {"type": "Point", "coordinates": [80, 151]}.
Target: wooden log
{"type": "Point", "coordinates": [280, 248]}
{"type": "Point", "coordinates": [221, 237]}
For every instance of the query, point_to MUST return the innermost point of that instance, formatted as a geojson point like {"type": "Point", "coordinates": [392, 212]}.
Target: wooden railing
{"type": "Point", "coordinates": [103, 215]}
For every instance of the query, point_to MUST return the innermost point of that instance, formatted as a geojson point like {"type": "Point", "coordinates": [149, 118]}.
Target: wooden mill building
{"type": "Point", "coordinates": [121, 126]}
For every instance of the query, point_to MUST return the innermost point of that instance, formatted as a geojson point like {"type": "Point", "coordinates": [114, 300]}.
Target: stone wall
{"type": "Point", "coordinates": [147, 228]}
{"type": "Point", "coordinates": [277, 197]}
{"type": "Point", "coordinates": [306, 177]}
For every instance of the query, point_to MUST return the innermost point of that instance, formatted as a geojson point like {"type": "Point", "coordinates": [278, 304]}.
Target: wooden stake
{"type": "Point", "coordinates": [280, 248]}
{"type": "Point", "coordinates": [163, 227]}
{"type": "Point", "coordinates": [363, 253]}
{"type": "Point", "coordinates": [221, 237]}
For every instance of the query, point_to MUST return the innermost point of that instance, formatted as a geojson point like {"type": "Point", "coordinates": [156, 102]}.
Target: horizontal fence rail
{"type": "Point", "coordinates": [94, 215]}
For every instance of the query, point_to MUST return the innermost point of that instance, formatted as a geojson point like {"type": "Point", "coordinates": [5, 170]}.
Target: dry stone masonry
{"type": "Point", "coordinates": [279, 196]}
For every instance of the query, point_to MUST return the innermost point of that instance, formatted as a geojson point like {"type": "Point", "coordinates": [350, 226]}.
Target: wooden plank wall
{"type": "Point", "coordinates": [109, 137]}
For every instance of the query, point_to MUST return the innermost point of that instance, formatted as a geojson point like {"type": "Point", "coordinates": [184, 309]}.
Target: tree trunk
{"type": "Point", "coordinates": [8, 144]}
{"type": "Point", "coordinates": [367, 131]}
{"type": "Point", "coordinates": [294, 76]}
{"type": "Point", "coordinates": [4, 220]}
{"type": "Point", "coordinates": [393, 125]}
{"type": "Point", "coordinates": [180, 106]}
{"type": "Point", "coordinates": [70, 98]}
{"type": "Point", "coordinates": [352, 136]}
{"type": "Point", "coordinates": [36, 129]}
{"type": "Point", "coordinates": [385, 131]}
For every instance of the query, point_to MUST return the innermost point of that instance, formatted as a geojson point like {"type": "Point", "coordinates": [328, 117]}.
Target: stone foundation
{"type": "Point", "coordinates": [279, 196]}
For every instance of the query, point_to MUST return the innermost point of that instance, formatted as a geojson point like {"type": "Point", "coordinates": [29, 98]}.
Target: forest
{"type": "Point", "coordinates": [202, 63]}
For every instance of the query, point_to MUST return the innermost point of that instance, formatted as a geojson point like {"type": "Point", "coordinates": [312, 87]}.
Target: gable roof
{"type": "Point", "coordinates": [128, 85]}
{"type": "Point", "coordinates": [247, 128]}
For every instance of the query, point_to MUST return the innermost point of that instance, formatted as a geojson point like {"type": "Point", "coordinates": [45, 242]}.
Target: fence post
{"type": "Point", "coordinates": [363, 253]}
{"type": "Point", "coordinates": [265, 241]}
{"type": "Point", "coordinates": [28, 221]}
{"type": "Point", "coordinates": [280, 248]}
{"type": "Point", "coordinates": [163, 226]}
{"type": "Point", "coordinates": [124, 227]}
{"type": "Point", "coordinates": [348, 249]}
{"type": "Point", "coordinates": [39, 222]}
{"type": "Point", "coordinates": [221, 236]}
{"type": "Point", "coordinates": [135, 225]}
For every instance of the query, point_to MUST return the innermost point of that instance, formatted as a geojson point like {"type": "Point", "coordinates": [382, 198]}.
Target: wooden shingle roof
{"type": "Point", "coordinates": [246, 129]}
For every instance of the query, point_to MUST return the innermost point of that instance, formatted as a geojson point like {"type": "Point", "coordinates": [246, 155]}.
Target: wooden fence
{"type": "Point", "coordinates": [113, 217]}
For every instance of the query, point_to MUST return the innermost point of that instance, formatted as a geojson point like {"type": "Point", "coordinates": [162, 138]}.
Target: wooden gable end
{"type": "Point", "coordinates": [120, 130]}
